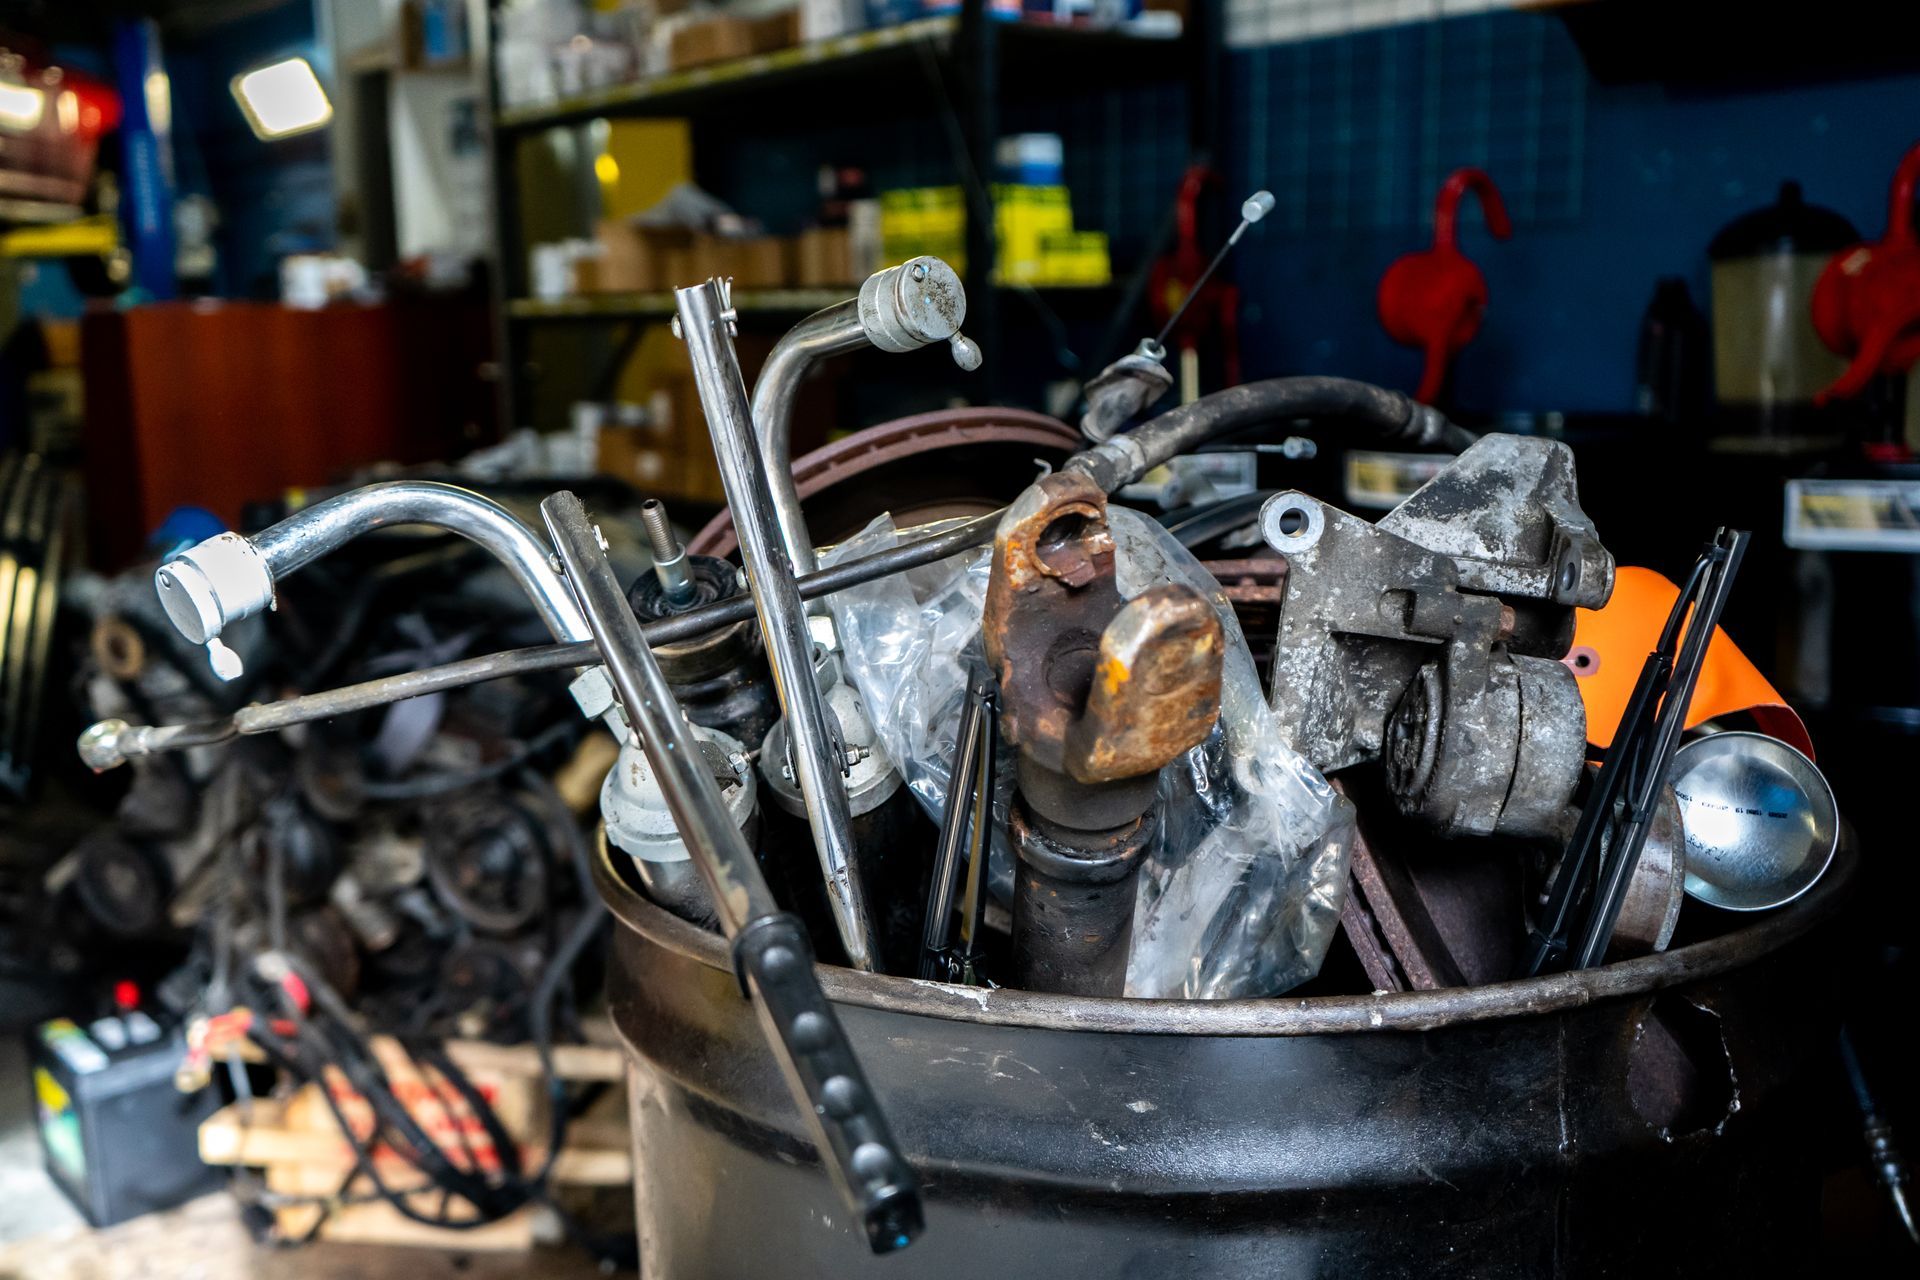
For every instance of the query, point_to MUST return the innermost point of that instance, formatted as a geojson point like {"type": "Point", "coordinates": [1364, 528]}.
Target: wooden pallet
{"type": "Point", "coordinates": [298, 1143]}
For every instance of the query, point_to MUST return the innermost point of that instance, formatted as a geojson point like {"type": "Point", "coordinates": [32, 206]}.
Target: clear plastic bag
{"type": "Point", "coordinates": [1245, 887]}
{"type": "Point", "coordinates": [910, 643]}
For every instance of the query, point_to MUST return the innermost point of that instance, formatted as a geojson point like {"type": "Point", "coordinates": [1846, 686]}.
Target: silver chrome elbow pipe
{"type": "Point", "coordinates": [208, 587]}
{"type": "Point", "coordinates": [902, 308]}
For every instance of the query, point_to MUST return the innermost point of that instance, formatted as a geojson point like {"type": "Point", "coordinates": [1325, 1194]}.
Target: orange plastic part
{"type": "Point", "coordinates": [1611, 644]}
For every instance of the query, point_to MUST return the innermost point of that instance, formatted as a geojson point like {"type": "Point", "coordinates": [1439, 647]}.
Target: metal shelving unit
{"type": "Point", "coordinates": [976, 61]}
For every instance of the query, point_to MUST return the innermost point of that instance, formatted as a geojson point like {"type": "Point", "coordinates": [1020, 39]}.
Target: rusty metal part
{"type": "Point", "coordinates": [984, 455]}
{"type": "Point", "coordinates": [1435, 646]}
{"type": "Point", "coordinates": [117, 647]}
{"type": "Point", "coordinates": [1093, 687]}
{"type": "Point", "coordinates": [1426, 923]}
{"type": "Point", "coordinates": [1097, 695]}
{"type": "Point", "coordinates": [1073, 903]}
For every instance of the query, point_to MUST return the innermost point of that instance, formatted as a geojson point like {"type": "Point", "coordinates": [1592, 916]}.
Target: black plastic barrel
{"type": "Point", "coordinates": [1642, 1119]}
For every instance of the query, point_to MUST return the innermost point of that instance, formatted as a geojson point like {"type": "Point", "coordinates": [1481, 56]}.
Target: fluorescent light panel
{"type": "Point", "coordinates": [282, 99]}
{"type": "Point", "coordinates": [21, 106]}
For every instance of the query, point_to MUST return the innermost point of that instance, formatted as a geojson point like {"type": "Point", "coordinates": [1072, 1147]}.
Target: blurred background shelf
{"type": "Point", "coordinates": [629, 306]}
{"type": "Point", "coordinates": [772, 302]}
{"type": "Point", "coordinates": [918, 105]}
{"type": "Point", "coordinates": [861, 69]}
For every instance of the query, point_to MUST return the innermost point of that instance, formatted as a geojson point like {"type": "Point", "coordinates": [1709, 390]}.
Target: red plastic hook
{"type": "Point", "coordinates": [1446, 208]}
{"type": "Point", "coordinates": [1433, 300]}
{"type": "Point", "coordinates": [1867, 302]}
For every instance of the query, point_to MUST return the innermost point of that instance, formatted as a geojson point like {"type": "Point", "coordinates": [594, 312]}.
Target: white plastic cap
{"type": "Point", "coordinates": [206, 587]}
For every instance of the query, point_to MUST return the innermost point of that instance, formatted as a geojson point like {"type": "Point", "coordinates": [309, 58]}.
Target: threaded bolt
{"type": "Point", "coordinates": [669, 557]}
{"type": "Point", "coordinates": [653, 514]}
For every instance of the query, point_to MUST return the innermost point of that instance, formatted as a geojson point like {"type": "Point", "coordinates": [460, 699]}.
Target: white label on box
{"type": "Point", "coordinates": [1853, 515]}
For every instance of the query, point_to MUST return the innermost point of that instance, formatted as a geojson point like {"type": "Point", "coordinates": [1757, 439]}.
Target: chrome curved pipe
{"type": "Point", "coordinates": [832, 331]}
{"type": "Point", "coordinates": [901, 308]}
{"type": "Point", "coordinates": [216, 583]}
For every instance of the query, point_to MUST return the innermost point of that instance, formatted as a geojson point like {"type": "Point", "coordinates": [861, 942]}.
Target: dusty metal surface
{"type": "Point", "coordinates": [1092, 686]}
{"type": "Point", "coordinates": [1429, 641]}
{"type": "Point", "coordinates": [1508, 515]}
{"type": "Point", "coordinates": [1097, 695]}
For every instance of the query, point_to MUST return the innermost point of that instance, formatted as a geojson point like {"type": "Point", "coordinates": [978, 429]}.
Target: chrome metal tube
{"type": "Point", "coordinates": [901, 308]}
{"type": "Point", "coordinates": [770, 950]}
{"type": "Point", "coordinates": [709, 829]}
{"type": "Point", "coordinates": [212, 585]}
{"type": "Point", "coordinates": [832, 331]}
{"type": "Point", "coordinates": [111, 743]}
{"type": "Point", "coordinates": [783, 618]}
{"type": "Point", "coordinates": [305, 536]}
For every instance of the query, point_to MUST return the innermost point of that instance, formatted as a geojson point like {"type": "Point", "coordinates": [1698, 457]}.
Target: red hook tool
{"type": "Point", "coordinates": [1433, 300]}
{"type": "Point", "coordinates": [1867, 302]}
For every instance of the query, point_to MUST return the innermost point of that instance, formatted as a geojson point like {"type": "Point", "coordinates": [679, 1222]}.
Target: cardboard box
{"type": "Point", "coordinates": [765, 262]}
{"type": "Point", "coordinates": [710, 40]}
{"type": "Point", "coordinates": [713, 256]}
{"type": "Point", "coordinates": [631, 259]}
{"type": "Point", "coordinates": [776, 31]}
{"type": "Point", "coordinates": [823, 256]}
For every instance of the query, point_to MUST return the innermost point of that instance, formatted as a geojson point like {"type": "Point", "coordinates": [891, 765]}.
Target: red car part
{"type": "Point", "coordinates": [1867, 302]}
{"type": "Point", "coordinates": [1433, 300]}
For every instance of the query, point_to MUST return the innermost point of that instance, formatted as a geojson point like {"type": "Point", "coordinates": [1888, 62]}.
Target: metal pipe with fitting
{"type": "Point", "coordinates": [209, 587]}
{"type": "Point", "coordinates": [111, 743]}
{"type": "Point", "coordinates": [705, 322]}
{"type": "Point", "coordinates": [902, 308]}
{"type": "Point", "coordinates": [771, 955]}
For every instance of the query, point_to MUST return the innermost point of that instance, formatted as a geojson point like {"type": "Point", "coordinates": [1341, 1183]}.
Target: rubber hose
{"type": "Point", "coordinates": [1396, 417]}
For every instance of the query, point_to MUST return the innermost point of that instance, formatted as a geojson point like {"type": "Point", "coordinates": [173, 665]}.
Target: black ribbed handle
{"type": "Point", "coordinates": [774, 959]}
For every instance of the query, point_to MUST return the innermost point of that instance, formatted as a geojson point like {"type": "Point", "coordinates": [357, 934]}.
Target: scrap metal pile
{"type": "Point", "coordinates": [1029, 745]}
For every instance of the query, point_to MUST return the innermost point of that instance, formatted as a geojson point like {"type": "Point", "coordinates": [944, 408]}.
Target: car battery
{"type": "Point", "coordinates": [117, 1136]}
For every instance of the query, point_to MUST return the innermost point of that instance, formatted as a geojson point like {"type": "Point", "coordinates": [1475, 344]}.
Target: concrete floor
{"type": "Point", "coordinates": [30, 1205]}
{"type": "Point", "coordinates": [43, 1237]}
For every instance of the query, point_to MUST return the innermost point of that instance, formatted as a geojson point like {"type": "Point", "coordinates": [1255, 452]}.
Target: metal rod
{"type": "Point", "coordinates": [770, 950]}
{"type": "Point", "coordinates": [669, 557]}
{"type": "Point", "coordinates": [819, 769]}
{"type": "Point", "coordinates": [111, 743]}
{"type": "Point", "coordinates": [829, 332]}
{"type": "Point", "coordinates": [937, 930]}
{"type": "Point", "coordinates": [740, 893]}
{"type": "Point", "coordinates": [215, 583]}
{"type": "Point", "coordinates": [307, 535]}
{"type": "Point", "coordinates": [1257, 206]}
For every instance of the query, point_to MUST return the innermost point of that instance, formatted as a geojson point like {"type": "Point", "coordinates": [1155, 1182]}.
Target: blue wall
{"type": "Point", "coordinates": [1610, 187]}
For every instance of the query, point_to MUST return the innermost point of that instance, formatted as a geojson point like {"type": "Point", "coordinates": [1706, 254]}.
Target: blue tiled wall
{"type": "Point", "coordinates": [1610, 187]}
